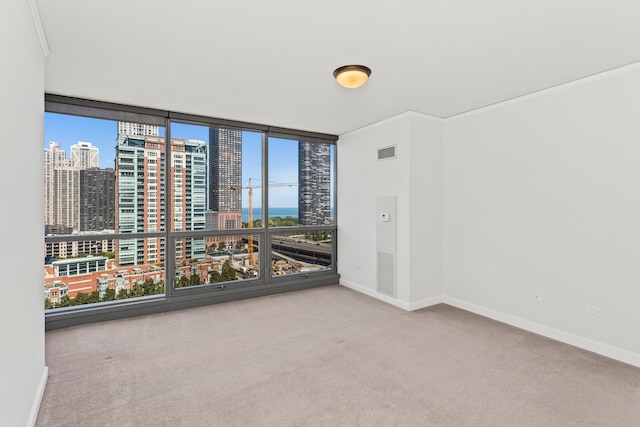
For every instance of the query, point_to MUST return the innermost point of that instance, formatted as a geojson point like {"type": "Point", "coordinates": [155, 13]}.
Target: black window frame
{"type": "Point", "coordinates": [188, 297]}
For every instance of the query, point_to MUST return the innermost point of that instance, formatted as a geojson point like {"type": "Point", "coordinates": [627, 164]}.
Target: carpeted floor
{"type": "Point", "coordinates": [327, 357]}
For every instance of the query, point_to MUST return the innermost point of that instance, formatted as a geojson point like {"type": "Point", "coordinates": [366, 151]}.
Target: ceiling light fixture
{"type": "Point", "coordinates": [352, 76]}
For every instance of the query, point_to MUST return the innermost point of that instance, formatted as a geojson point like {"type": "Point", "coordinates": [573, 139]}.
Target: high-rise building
{"type": "Point", "coordinates": [97, 199]}
{"type": "Point", "coordinates": [137, 129]}
{"type": "Point", "coordinates": [314, 180]}
{"type": "Point", "coordinates": [63, 184]}
{"type": "Point", "coordinates": [54, 157]}
{"type": "Point", "coordinates": [189, 184]}
{"type": "Point", "coordinates": [138, 161]}
{"type": "Point", "coordinates": [66, 190]}
{"type": "Point", "coordinates": [84, 155]}
{"type": "Point", "coordinates": [225, 179]}
{"type": "Point", "coordinates": [140, 196]}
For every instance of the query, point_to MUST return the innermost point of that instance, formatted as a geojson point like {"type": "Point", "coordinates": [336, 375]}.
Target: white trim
{"type": "Point", "coordinates": [427, 302]}
{"type": "Point", "coordinates": [542, 92]}
{"type": "Point", "coordinates": [499, 104]}
{"type": "Point", "coordinates": [391, 119]}
{"type": "Point", "coordinates": [407, 306]}
{"type": "Point", "coordinates": [35, 13]}
{"type": "Point", "coordinates": [370, 292]}
{"type": "Point", "coordinates": [35, 407]}
{"type": "Point", "coordinates": [558, 335]}
{"type": "Point", "coordinates": [536, 328]}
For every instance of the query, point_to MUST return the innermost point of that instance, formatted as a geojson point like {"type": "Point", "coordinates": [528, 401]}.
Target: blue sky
{"type": "Point", "coordinates": [283, 154]}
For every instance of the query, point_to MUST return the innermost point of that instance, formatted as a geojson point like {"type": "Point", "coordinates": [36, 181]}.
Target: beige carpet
{"type": "Point", "coordinates": [327, 357]}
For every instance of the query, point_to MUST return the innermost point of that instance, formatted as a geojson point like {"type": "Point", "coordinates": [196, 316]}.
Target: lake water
{"type": "Point", "coordinates": [257, 213]}
{"type": "Point", "coordinates": [281, 212]}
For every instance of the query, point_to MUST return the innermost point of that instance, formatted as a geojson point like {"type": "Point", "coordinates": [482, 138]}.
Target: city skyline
{"type": "Point", "coordinates": [69, 130]}
{"type": "Point", "coordinates": [204, 166]}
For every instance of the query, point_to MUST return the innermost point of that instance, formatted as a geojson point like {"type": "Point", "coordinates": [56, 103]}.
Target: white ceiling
{"type": "Point", "coordinates": [271, 62]}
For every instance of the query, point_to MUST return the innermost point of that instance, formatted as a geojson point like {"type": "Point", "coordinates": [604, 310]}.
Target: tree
{"type": "Point", "coordinates": [160, 287]}
{"type": "Point", "coordinates": [65, 301]}
{"type": "Point", "coordinates": [215, 277]}
{"type": "Point", "coordinates": [317, 236]}
{"type": "Point", "coordinates": [149, 287]}
{"type": "Point", "coordinates": [183, 282]}
{"type": "Point", "coordinates": [136, 291]}
{"type": "Point", "coordinates": [288, 221]}
{"type": "Point", "coordinates": [123, 294]}
{"type": "Point", "coordinates": [82, 298]}
{"type": "Point", "coordinates": [109, 294]}
{"type": "Point", "coordinates": [48, 304]}
{"type": "Point", "coordinates": [228, 272]}
{"type": "Point", "coordinates": [194, 280]}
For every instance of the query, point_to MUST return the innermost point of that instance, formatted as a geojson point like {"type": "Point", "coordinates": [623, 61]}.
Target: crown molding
{"type": "Point", "coordinates": [399, 116]}
{"type": "Point", "coordinates": [547, 91]}
{"type": "Point", "coordinates": [35, 14]}
{"type": "Point", "coordinates": [500, 104]}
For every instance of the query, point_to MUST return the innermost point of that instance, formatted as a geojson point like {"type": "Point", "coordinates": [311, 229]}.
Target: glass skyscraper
{"type": "Point", "coordinates": [314, 178]}
{"type": "Point", "coordinates": [225, 179]}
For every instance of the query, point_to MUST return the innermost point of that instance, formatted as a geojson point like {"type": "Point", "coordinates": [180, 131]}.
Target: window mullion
{"type": "Point", "coordinates": [169, 243]}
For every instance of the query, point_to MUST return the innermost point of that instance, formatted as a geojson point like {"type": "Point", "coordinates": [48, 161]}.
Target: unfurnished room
{"type": "Point", "coordinates": [340, 213]}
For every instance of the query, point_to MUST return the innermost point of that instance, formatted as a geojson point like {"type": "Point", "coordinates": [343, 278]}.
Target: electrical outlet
{"type": "Point", "coordinates": [596, 311]}
{"type": "Point", "coordinates": [536, 296]}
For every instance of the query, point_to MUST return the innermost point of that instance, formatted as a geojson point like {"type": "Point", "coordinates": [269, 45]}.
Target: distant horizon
{"type": "Point", "coordinates": [68, 130]}
{"type": "Point", "coordinates": [276, 207]}
{"type": "Point", "coordinates": [273, 212]}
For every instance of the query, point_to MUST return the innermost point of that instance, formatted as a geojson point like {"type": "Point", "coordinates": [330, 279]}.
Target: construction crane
{"type": "Point", "coordinates": [250, 187]}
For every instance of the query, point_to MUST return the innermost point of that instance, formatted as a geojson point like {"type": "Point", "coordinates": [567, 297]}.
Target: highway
{"type": "Point", "coordinates": [303, 250]}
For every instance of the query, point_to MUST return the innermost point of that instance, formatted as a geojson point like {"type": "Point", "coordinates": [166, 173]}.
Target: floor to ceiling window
{"type": "Point", "coordinates": [302, 195]}
{"type": "Point", "coordinates": [147, 210]}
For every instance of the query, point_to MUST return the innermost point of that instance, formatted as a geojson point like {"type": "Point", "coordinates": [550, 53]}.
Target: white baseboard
{"type": "Point", "coordinates": [390, 300]}
{"type": "Point", "coordinates": [556, 334]}
{"type": "Point", "coordinates": [427, 302]}
{"type": "Point", "coordinates": [370, 292]}
{"type": "Point", "coordinates": [35, 407]}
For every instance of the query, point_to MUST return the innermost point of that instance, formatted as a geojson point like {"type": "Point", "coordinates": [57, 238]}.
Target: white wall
{"type": "Point", "coordinates": [542, 195]}
{"type": "Point", "coordinates": [415, 178]}
{"type": "Point", "coordinates": [425, 234]}
{"type": "Point", "coordinates": [539, 195]}
{"type": "Point", "coordinates": [22, 368]}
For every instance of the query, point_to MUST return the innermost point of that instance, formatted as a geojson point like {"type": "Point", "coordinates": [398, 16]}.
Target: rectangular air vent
{"type": "Point", "coordinates": [387, 153]}
{"type": "Point", "coordinates": [386, 274]}
{"type": "Point", "coordinates": [386, 243]}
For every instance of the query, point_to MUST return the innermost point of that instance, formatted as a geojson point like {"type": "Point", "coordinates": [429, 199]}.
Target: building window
{"type": "Point", "coordinates": [175, 209]}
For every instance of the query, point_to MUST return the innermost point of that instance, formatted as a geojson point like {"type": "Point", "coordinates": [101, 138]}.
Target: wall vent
{"type": "Point", "coordinates": [387, 153]}
{"type": "Point", "coordinates": [386, 274]}
{"type": "Point", "coordinates": [386, 245]}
